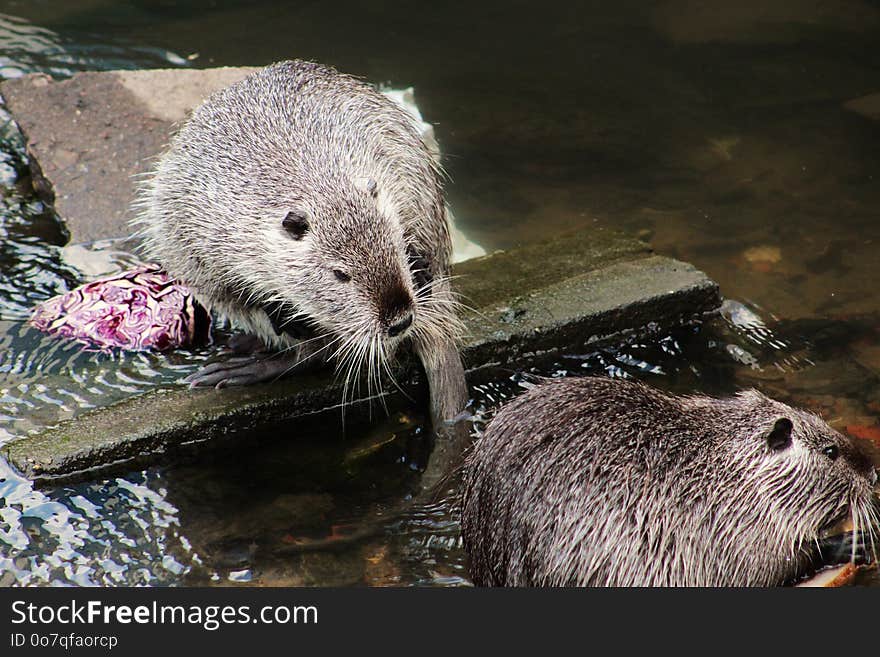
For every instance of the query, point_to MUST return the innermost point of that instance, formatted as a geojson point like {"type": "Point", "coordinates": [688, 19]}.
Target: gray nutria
{"type": "Point", "coordinates": [591, 481]}
{"type": "Point", "coordinates": [302, 204]}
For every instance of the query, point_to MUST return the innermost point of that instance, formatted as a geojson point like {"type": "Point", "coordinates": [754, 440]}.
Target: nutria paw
{"type": "Point", "coordinates": [244, 370]}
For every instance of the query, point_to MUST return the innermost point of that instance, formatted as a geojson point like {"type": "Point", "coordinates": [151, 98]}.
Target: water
{"type": "Point", "coordinates": [718, 133]}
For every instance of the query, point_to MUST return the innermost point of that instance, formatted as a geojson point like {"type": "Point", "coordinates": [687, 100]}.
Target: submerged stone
{"type": "Point", "coordinates": [868, 106]}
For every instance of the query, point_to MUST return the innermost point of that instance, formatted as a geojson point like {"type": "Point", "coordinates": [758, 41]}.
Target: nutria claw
{"type": "Point", "coordinates": [243, 370]}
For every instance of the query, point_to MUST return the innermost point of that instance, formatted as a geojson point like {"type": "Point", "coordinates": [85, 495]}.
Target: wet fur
{"type": "Point", "coordinates": [607, 482]}
{"type": "Point", "coordinates": [302, 137]}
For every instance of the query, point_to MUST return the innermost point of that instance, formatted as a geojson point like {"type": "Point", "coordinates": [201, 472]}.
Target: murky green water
{"type": "Point", "coordinates": [716, 131]}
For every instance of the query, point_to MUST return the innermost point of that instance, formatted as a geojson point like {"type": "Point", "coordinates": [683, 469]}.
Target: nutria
{"type": "Point", "coordinates": [302, 204]}
{"type": "Point", "coordinates": [591, 481]}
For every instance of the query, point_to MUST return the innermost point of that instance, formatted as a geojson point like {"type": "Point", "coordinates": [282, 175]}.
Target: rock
{"type": "Point", "coordinates": [763, 258]}
{"type": "Point", "coordinates": [379, 568]}
{"type": "Point", "coordinates": [90, 136]}
{"type": "Point", "coordinates": [866, 353]}
{"type": "Point", "coordinates": [868, 106]}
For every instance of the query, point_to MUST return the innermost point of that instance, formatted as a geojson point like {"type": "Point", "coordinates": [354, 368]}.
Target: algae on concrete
{"type": "Point", "coordinates": [540, 299]}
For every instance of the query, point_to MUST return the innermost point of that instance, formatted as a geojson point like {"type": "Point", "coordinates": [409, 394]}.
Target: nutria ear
{"type": "Point", "coordinates": [296, 223]}
{"type": "Point", "coordinates": [780, 436]}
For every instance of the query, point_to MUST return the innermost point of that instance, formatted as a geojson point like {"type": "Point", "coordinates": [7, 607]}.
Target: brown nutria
{"type": "Point", "coordinates": [302, 204]}
{"type": "Point", "coordinates": [592, 481]}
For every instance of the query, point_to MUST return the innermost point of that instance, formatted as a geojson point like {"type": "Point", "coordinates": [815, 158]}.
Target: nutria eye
{"type": "Point", "coordinates": [341, 276]}
{"type": "Point", "coordinates": [780, 436]}
{"type": "Point", "coordinates": [831, 452]}
{"type": "Point", "coordinates": [296, 223]}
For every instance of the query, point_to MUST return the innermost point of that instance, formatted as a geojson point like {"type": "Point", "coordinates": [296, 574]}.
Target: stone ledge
{"type": "Point", "coordinates": [590, 288]}
{"type": "Point", "coordinates": [89, 138]}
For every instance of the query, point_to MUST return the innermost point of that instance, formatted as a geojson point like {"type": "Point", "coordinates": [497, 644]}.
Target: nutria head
{"type": "Point", "coordinates": [348, 267]}
{"type": "Point", "coordinates": [608, 482]}
{"type": "Point", "coordinates": [343, 262]}
{"type": "Point", "coordinates": [785, 478]}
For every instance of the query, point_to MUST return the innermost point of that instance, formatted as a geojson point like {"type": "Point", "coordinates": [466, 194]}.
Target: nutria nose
{"type": "Point", "coordinates": [396, 329]}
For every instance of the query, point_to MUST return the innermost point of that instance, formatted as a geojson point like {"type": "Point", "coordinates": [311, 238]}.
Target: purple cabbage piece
{"type": "Point", "coordinates": [137, 310]}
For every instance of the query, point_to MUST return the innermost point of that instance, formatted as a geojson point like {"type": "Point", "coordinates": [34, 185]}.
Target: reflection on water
{"type": "Point", "coordinates": [239, 514]}
{"type": "Point", "coordinates": [719, 133]}
{"type": "Point", "coordinates": [31, 267]}
{"type": "Point", "coordinates": [44, 381]}
{"type": "Point", "coordinates": [28, 48]}
{"type": "Point", "coordinates": [118, 532]}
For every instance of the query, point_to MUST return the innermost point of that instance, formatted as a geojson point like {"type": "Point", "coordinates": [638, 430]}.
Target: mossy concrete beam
{"type": "Point", "coordinates": [538, 300]}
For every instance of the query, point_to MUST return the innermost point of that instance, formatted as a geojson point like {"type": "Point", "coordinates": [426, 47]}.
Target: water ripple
{"type": "Point", "coordinates": [28, 48]}
{"type": "Point", "coordinates": [113, 532]}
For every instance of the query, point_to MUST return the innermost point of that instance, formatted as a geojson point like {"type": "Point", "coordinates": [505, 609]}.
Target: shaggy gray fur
{"type": "Point", "coordinates": [590, 481]}
{"type": "Point", "coordinates": [298, 137]}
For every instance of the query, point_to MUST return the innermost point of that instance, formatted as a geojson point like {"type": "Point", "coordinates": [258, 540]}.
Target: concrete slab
{"type": "Point", "coordinates": [531, 302]}
{"type": "Point", "coordinates": [90, 136]}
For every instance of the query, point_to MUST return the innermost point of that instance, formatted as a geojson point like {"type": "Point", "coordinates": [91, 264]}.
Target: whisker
{"type": "Point", "coordinates": [309, 356]}
{"type": "Point", "coordinates": [299, 344]}
{"type": "Point", "coordinates": [855, 516]}
{"type": "Point", "coordinates": [387, 367]}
